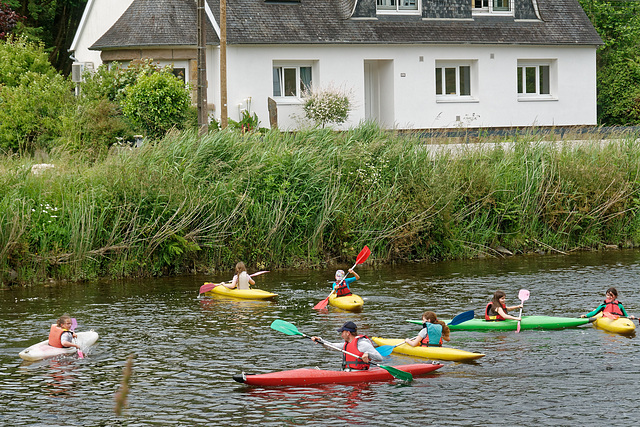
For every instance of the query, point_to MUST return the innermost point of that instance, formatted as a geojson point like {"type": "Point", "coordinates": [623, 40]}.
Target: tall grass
{"type": "Point", "coordinates": [311, 198]}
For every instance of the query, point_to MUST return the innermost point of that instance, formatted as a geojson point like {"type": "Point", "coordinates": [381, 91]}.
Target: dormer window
{"type": "Point", "coordinates": [493, 7]}
{"type": "Point", "coordinates": [398, 6]}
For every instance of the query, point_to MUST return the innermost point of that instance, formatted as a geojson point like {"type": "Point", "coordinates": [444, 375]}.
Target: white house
{"type": "Point", "coordinates": [408, 64]}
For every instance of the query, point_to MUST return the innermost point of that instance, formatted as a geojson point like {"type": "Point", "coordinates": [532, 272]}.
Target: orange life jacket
{"type": "Point", "coordinates": [491, 314]}
{"type": "Point", "coordinates": [55, 336]}
{"type": "Point", "coordinates": [611, 306]}
{"type": "Point", "coordinates": [351, 362]}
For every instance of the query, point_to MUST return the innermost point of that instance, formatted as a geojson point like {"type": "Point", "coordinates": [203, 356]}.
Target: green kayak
{"type": "Point", "coordinates": [528, 322]}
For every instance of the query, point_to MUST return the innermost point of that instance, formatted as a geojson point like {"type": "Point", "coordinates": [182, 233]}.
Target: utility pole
{"type": "Point", "coordinates": [223, 65]}
{"type": "Point", "coordinates": [203, 113]}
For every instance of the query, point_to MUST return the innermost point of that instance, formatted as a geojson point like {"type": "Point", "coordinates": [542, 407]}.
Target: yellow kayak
{"type": "Point", "coordinates": [240, 293]}
{"type": "Point", "coordinates": [350, 303]}
{"type": "Point", "coordinates": [621, 325]}
{"type": "Point", "coordinates": [440, 353]}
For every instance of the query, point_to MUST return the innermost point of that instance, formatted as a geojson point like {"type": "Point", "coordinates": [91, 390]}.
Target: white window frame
{"type": "Point", "coordinates": [282, 69]}
{"type": "Point", "coordinates": [399, 7]}
{"type": "Point", "coordinates": [489, 7]}
{"type": "Point", "coordinates": [443, 74]}
{"type": "Point", "coordinates": [524, 79]}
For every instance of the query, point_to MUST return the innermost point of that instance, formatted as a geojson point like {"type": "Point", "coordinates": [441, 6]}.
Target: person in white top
{"type": "Point", "coordinates": [241, 280]}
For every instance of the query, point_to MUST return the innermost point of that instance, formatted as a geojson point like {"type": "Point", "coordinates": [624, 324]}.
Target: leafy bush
{"type": "Point", "coordinates": [326, 106]}
{"type": "Point", "coordinates": [110, 82]}
{"type": "Point", "coordinates": [19, 58]}
{"type": "Point", "coordinates": [157, 102]}
{"type": "Point", "coordinates": [93, 127]}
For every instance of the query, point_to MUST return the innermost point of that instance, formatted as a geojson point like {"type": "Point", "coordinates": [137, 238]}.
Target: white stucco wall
{"type": "Point", "coordinates": [98, 17]}
{"type": "Point", "coordinates": [412, 83]}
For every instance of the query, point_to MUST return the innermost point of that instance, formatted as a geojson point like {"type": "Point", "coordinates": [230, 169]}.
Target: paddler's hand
{"type": "Point", "coordinates": [365, 358]}
{"type": "Point", "coordinates": [582, 316]}
{"type": "Point", "coordinates": [316, 340]}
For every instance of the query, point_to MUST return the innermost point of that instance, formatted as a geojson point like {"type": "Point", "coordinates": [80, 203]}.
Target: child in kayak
{"type": "Point", "coordinates": [432, 333]}
{"type": "Point", "coordinates": [359, 345]}
{"type": "Point", "coordinates": [341, 285]}
{"type": "Point", "coordinates": [241, 280]}
{"type": "Point", "coordinates": [610, 305]}
{"type": "Point", "coordinates": [497, 308]}
{"type": "Point", "coordinates": [60, 335]}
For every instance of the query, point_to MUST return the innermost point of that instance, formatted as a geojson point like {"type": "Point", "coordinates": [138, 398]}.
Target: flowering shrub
{"type": "Point", "coordinates": [325, 106]}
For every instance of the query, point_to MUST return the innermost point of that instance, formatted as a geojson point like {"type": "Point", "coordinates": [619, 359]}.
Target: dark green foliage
{"type": "Point", "coordinates": [618, 23]}
{"type": "Point", "coordinates": [157, 103]}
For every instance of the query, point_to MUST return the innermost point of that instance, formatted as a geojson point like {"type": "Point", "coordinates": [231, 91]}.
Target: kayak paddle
{"type": "Point", "coordinates": [208, 286]}
{"type": "Point", "coordinates": [386, 350]}
{"type": "Point", "coordinates": [74, 325]}
{"type": "Point", "coordinates": [523, 295]}
{"type": "Point", "coordinates": [290, 329]}
{"type": "Point", "coordinates": [362, 257]}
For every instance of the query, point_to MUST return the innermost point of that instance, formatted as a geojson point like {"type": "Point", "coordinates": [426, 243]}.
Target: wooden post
{"type": "Point", "coordinates": [203, 113]}
{"type": "Point", "coordinates": [223, 65]}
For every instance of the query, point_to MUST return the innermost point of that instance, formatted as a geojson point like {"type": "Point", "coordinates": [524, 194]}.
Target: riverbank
{"type": "Point", "coordinates": [276, 200]}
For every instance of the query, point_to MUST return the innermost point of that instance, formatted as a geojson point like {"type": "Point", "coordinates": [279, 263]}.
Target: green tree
{"type": "Point", "coordinates": [53, 22]}
{"type": "Point", "coordinates": [157, 103]}
{"type": "Point", "coordinates": [33, 97]}
{"type": "Point", "coordinates": [618, 24]}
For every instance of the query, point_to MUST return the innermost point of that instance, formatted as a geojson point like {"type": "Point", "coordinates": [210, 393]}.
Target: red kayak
{"type": "Point", "coordinates": [301, 377]}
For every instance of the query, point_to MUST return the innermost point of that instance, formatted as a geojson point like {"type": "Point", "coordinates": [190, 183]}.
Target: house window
{"type": "Point", "coordinates": [291, 81]}
{"type": "Point", "coordinates": [454, 80]}
{"type": "Point", "coordinates": [500, 7]}
{"type": "Point", "coordinates": [535, 79]}
{"type": "Point", "coordinates": [398, 6]}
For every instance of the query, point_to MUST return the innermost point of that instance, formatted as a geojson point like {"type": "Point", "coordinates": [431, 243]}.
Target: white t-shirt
{"type": "Point", "coordinates": [243, 282]}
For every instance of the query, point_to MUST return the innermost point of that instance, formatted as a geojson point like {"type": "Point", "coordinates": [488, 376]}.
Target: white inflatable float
{"type": "Point", "coordinates": [43, 350]}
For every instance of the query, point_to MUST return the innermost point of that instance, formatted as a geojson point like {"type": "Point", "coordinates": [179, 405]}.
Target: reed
{"type": "Point", "coordinates": [311, 198]}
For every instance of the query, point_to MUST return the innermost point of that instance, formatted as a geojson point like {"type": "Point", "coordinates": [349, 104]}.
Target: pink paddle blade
{"type": "Point", "coordinates": [523, 295]}
{"type": "Point", "coordinates": [74, 324]}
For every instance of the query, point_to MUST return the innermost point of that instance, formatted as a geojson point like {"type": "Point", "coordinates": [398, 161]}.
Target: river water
{"type": "Point", "coordinates": [187, 349]}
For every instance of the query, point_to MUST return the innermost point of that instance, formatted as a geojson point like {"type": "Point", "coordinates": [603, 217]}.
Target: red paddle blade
{"type": "Point", "coordinates": [207, 287]}
{"type": "Point", "coordinates": [322, 304]}
{"type": "Point", "coordinates": [363, 255]}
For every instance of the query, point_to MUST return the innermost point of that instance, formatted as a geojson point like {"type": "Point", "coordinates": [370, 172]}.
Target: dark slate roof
{"type": "Point", "coordinates": [323, 21]}
{"type": "Point", "coordinates": [172, 22]}
{"type": "Point", "coordinates": [155, 23]}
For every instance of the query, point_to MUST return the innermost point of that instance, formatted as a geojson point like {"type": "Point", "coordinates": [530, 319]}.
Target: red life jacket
{"type": "Point", "coordinates": [611, 306]}
{"type": "Point", "coordinates": [55, 336]}
{"type": "Point", "coordinates": [490, 314]}
{"type": "Point", "coordinates": [351, 362]}
{"type": "Point", "coordinates": [425, 340]}
{"type": "Point", "coordinates": [342, 290]}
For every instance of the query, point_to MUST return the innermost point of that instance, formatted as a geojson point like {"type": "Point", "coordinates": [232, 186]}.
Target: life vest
{"type": "Point", "coordinates": [425, 341]}
{"type": "Point", "coordinates": [350, 362]}
{"type": "Point", "coordinates": [55, 336]}
{"type": "Point", "coordinates": [491, 315]}
{"type": "Point", "coordinates": [611, 306]}
{"type": "Point", "coordinates": [342, 290]}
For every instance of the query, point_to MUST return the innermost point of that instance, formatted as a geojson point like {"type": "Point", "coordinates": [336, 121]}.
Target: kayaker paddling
{"type": "Point", "coordinates": [360, 347]}
{"type": "Point", "coordinates": [432, 333]}
{"type": "Point", "coordinates": [497, 308]}
{"type": "Point", "coordinates": [241, 280]}
{"type": "Point", "coordinates": [611, 305]}
{"type": "Point", "coordinates": [341, 285]}
{"type": "Point", "coordinates": [60, 334]}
